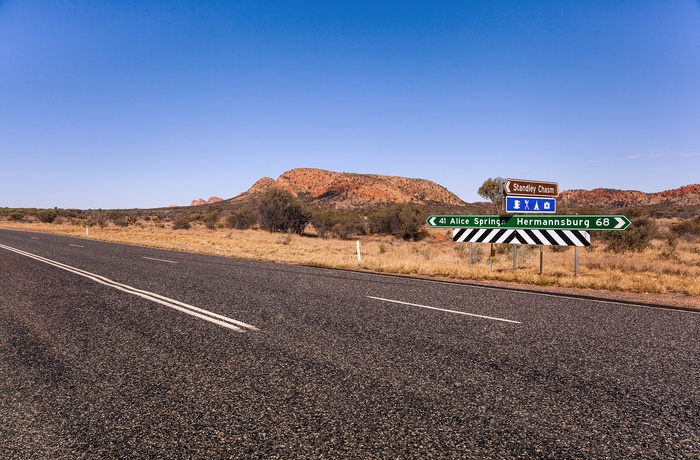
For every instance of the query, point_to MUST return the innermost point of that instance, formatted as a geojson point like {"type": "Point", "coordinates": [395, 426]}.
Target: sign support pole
{"type": "Point", "coordinates": [541, 257]}
{"type": "Point", "coordinates": [576, 262]}
{"type": "Point", "coordinates": [515, 257]}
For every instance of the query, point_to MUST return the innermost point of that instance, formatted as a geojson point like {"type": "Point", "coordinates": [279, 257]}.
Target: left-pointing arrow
{"type": "Point", "coordinates": [431, 221]}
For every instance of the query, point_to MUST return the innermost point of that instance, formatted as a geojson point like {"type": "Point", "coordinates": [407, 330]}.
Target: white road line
{"type": "Point", "coordinates": [523, 290]}
{"type": "Point", "coordinates": [34, 238]}
{"type": "Point", "coordinates": [448, 311]}
{"type": "Point", "coordinates": [159, 260]}
{"type": "Point", "coordinates": [171, 303]}
{"type": "Point", "coordinates": [76, 245]}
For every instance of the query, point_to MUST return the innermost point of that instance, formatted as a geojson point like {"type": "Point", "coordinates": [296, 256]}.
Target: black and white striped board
{"type": "Point", "coordinates": [519, 236]}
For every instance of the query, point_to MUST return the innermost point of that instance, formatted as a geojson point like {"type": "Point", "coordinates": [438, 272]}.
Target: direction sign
{"type": "Point", "coordinates": [530, 187]}
{"type": "Point", "coordinates": [558, 222]}
{"type": "Point", "coordinates": [531, 204]}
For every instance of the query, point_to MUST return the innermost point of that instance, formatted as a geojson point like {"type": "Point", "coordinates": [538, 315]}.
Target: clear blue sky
{"type": "Point", "coordinates": [123, 104]}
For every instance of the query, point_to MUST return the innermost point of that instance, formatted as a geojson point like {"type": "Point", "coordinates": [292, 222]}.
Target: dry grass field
{"type": "Point", "coordinates": [653, 275]}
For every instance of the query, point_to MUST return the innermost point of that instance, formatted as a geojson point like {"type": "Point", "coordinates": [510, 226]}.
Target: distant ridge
{"type": "Point", "coordinates": [351, 190]}
{"type": "Point", "coordinates": [688, 195]}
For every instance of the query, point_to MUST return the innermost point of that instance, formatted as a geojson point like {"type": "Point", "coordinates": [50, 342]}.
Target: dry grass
{"type": "Point", "coordinates": [651, 275]}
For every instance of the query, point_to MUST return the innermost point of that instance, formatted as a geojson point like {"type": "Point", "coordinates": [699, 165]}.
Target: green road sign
{"type": "Point", "coordinates": [530, 222]}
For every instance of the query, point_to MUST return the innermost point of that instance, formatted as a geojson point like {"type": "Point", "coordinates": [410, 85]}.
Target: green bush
{"type": "Point", "coordinates": [323, 221]}
{"type": "Point", "coordinates": [405, 221]}
{"type": "Point", "coordinates": [636, 238]}
{"type": "Point", "coordinates": [243, 218]}
{"type": "Point", "coordinates": [47, 215]}
{"type": "Point", "coordinates": [16, 216]}
{"type": "Point", "coordinates": [343, 224]}
{"type": "Point", "coordinates": [280, 211]}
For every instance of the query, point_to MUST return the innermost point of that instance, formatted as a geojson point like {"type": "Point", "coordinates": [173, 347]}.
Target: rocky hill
{"type": "Point", "coordinates": [350, 190]}
{"type": "Point", "coordinates": [688, 195]}
{"type": "Point", "coordinates": [211, 200]}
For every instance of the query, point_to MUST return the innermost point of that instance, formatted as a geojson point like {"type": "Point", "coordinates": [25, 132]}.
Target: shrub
{"type": "Point", "coordinates": [211, 219]}
{"type": "Point", "coordinates": [636, 238]}
{"type": "Point", "coordinates": [343, 224]}
{"type": "Point", "coordinates": [405, 221]}
{"type": "Point", "coordinates": [348, 225]}
{"type": "Point", "coordinates": [181, 222]}
{"type": "Point", "coordinates": [46, 215]}
{"type": "Point", "coordinates": [280, 211]}
{"type": "Point", "coordinates": [323, 221]}
{"type": "Point", "coordinates": [688, 229]}
{"type": "Point", "coordinates": [119, 218]}
{"type": "Point", "coordinates": [671, 245]}
{"type": "Point", "coordinates": [16, 216]}
{"type": "Point", "coordinates": [243, 218]}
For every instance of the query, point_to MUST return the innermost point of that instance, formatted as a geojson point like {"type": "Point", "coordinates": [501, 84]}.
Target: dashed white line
{"type": "Point", "coordinates": [445, 310]}
{"type": "Point", "coordinates": [76, 245]}
{"type": "Point", "coordinates": [172, 303]}
{"type": "Point", "coordinates": [159, 260]}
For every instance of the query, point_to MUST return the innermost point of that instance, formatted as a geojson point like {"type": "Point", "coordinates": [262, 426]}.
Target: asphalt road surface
{"type": "Point", "coordinates": [115, 351]}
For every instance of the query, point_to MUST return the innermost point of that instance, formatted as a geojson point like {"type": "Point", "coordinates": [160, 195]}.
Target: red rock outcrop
{"type": "Point", "coordinates": [688, 195]}
{"type": "Point", "coordinates": [211, 200]}
{"type": "Point", "coordinates": [349, 190]}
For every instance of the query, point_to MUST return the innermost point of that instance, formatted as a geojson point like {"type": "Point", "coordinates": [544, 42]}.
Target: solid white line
{"type": "Point", "coordinates": [172, 303]}
{"type": "Point", "coordinates": [442, 309]}
{"type": "Point", "coordinates": [159, 260]}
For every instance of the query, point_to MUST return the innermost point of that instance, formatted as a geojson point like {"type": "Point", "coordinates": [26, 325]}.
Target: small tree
{"type": "Point", "coordinates": [401, 220]}
{"type": "Point", "coordinates": [492, 189]}
{"type": "Point", "coordinates": [323, 221]}
{"type": "Point", "coordinates": [244, 217]}
{"type": "Point", "coordinates": [343, 224]}
{"type": "Point", "coordinates": [280, 211]}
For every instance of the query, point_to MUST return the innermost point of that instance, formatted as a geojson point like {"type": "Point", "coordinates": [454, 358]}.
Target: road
{"type": "Point", "coordinates": [116, 351]}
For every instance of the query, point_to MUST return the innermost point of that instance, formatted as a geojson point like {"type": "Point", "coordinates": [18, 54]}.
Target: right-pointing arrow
{"type": "Point", "coordinates": [620, 222]}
